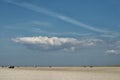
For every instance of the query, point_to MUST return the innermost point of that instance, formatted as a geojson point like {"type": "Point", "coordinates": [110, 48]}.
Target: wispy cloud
{"type": "Point", "coordinates": [23, 26]}
{"type": "Point", "coordinates": [45, 43]}
{"type": "Point", "coordinates": [40, 31]}
{"type": "Point", "coordinates": [56, 15]}
{"type": "Point", "coordinates": [41, 23]}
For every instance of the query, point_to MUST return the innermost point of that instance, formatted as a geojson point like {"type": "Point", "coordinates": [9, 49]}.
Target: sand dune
{"type": "Point", "coordinates": [60, 73]}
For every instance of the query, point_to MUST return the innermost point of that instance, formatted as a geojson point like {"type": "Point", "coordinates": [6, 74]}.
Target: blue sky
{"type": "Point", "coordinates": [59, 32]}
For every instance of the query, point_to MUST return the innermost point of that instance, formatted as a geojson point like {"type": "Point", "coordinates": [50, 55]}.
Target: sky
{"type": "Point", "coordinates": [59, 32]}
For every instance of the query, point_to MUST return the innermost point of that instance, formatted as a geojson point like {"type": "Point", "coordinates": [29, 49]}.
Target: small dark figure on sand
{"type": "Point", "coordinates": [11, 67]}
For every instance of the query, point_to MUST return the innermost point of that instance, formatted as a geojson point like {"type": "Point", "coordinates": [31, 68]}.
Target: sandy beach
{"type": "Point", "coordinates": [60, 73]}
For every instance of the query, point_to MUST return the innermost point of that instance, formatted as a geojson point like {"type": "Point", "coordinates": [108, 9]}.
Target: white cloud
{"type": "Point", "coordinates": [44, 43]}
{"type": "Point", "coordinates": [53, 41]}
{"type": "Point", "coordinates": [56, 15]}
{"type": "Point", "coordinates": [56, 43]}
{"type": "Point", "coordinates": [113, 51]}
{"type": "Point", "coordinates": [113, 47]}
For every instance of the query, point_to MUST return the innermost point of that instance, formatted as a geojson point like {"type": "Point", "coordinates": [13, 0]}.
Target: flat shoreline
{"type": "Point", "coordinates": [111, 68]}
{"type": "Point", "coordinates": [60, 73]}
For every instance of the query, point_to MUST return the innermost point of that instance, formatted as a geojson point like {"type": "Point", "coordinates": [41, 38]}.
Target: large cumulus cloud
{"type": "Point", "coordinates": [55, 43]}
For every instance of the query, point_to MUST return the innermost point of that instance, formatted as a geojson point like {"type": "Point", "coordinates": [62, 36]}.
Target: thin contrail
{"type": "Point", "coordinates": [58, 16]}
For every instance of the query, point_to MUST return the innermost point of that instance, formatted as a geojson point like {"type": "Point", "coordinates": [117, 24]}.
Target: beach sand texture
{"type": "Point", "coordinates": [60, 73]}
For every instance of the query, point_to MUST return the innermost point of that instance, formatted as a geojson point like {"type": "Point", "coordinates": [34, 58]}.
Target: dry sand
{"type": "Point", "coordinates": [60, 73]}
